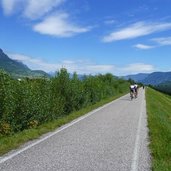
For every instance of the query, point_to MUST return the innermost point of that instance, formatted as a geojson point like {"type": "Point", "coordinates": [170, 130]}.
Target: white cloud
{"type": "Point", "coordinates": [79, 66]}
{"type": "Point", "coordinates": [33, 63]}
{"type": "Point", "coordinates": [163, 41]}
{"type": "Point", "coordinates": [9, 6]}
{"type": "Point", "coordinates": [37, 8]}
{"type": "Point", "coordinates": [31, 9]}
{"type": "Point", "coordinates": [109, 22]}
{"type": "Point", "coordinates": [137, 68]}
{"type": "Point", "coordinates": [142, 46]}
{"type": "Point", "coordinates": [100, 68]}
{"type": "Point", "coordinates": [82, 66]}
{"type": "Point", "coordinates": [58, 25]}
{"type": "Point", "coordinates": [136, 30]}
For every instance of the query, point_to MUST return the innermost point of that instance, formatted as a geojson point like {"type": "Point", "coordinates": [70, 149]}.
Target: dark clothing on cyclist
{"type": "Point", "coordinates": [132, 91]}
{"type": "Point", "coordinates": [132, 88]}
{"type": "Point", "coordinates": [136, 89]}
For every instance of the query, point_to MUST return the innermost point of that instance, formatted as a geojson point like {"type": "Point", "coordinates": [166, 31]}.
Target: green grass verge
{"type": "Point", "coordinates": [8, 143]}
{"type": "Point", "coordinates": [159, 122]}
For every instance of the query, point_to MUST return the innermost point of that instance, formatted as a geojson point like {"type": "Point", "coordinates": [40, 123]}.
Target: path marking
{"type": "Point", "coordinates": [134, 165]}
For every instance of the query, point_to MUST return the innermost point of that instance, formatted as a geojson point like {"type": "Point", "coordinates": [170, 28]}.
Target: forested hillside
{"type": "Point", "coordinates": [17, 69]}
{"type": "Point", "coordinates": [154, 78]}
{"type": "Point", "coordinates": [164, 87]}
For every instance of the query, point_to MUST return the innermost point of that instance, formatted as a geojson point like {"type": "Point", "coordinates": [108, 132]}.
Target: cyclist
{"type": "Point", "coordinates": [136, 90]}
{"type": "Point", "coordinates": [132, 91]}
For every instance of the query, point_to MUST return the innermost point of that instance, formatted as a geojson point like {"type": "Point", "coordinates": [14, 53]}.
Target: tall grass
{"type": "Point", "coordinates": [159, 121]}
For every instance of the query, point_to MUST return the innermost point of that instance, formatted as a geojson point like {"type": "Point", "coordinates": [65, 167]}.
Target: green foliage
{"type": "Point", "coordinates": [28, 103]}
{"type": "Point", "coordinates": [9, 142]}
{"type": "Point", "coordinates": [5, 128]}
{"type": "Point", "coordinates": [164, 87]}
{"type": "Point", "coordinates": [159, 122]}
{"type": "Point", "coordinates": [131, 81]}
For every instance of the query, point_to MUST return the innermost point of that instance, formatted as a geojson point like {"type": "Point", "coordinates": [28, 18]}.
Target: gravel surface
{"type": "Point", "coordinates": [112, 138]}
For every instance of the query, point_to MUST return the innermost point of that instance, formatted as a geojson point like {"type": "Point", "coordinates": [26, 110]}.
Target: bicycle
{"type": "Point", "coordinates": [131, 95]}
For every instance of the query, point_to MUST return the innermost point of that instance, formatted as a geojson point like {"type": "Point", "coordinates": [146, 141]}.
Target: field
{"type": "Point", "coordinates": [159, 122]}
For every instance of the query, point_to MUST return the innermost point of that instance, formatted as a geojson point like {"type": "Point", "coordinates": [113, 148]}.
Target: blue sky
{"type": "Point", "coordinates": [88, 36]}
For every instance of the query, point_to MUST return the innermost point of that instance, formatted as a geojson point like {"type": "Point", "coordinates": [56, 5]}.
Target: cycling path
{"type": "Point", "coordinates": [111, 138]}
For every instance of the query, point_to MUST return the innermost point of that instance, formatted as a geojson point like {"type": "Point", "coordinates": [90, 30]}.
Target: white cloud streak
{"type": "Point", "coordinates": [31, 9]}
{"type": "Point", "coordinates": [101, 68]}
{"type": "Point", "coordinates": [53, 24]}
{"type": "Point", "coordinates": [34, 63]}
{"type": "Point", "coordinates": [143, 47]}
{"type": "Point", "coordinates": [83, 67]}
{"type": "Point", "coordinates": [109, 22]}
{"type": "Point", "coordinates": [58, 25]}
{"type": "Point", "coordinates": [138, 68]}
{"type": "Point", "coordinates": [79, 66]}
{"type": "Point", "coordinates": [9, 6]}
{"type": "Point", "coordinates": [37, 8]}
{"type": "Point", "coordinates": [136, 30]}
{"type": "Point", "coordinates": [162, 41]}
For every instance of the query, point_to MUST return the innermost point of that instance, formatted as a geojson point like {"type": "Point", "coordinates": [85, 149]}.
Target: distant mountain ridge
{"type": "Point", "coordinates": [18, 69]}
{"type": "Point", "coordinates": [136, 77]}
{"type": "Point", "coordinates": [157, 78]}
{"type": "Point", "coordinates": [154, 78]}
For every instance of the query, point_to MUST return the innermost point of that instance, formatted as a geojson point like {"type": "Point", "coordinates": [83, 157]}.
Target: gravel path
{"type": "Point", "coordinates": [111, 138]}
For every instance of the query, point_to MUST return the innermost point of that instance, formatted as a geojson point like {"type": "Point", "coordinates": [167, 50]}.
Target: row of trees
{"type": "Point", "coordinates": [30, 102]}
{"type": "Point", "coordinates": [164, 87]}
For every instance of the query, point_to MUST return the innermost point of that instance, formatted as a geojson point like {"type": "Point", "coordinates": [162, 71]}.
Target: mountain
{"type": "Point", "coordinates": [154, 78]}
{"type": "Point", "coordinates": [157, 78]}
{"type": "Point", "coordinates": [18, 69]}
{"type": "Point", "coordinates": [136, 77]}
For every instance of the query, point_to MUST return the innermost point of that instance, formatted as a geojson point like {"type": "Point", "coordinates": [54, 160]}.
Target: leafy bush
{"type": "Point", "coordinates": [28, 103]}
{"type": "Point", "coordinates": [5, 128]}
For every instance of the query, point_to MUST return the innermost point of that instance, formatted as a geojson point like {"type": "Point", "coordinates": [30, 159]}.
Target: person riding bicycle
{"type": "Point", "coordinates": [136, 90]}
{"type": "Point", "coordinates": [132, 91]}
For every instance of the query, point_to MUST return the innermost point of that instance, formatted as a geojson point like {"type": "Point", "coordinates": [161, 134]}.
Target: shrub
{"type": "Point", "coordinates": [5, 128]}
{"type": "Point", "coordinates": [30, 102]}
{"type": "Point", "coordinates": [32, 124]}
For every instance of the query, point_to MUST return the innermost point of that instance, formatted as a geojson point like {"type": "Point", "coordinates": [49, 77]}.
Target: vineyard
{"type": "Point", "coordinates": [28, 103]}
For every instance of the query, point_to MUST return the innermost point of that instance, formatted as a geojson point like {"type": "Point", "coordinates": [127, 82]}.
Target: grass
{"type": "Point", "coordinates": [159, 122]}
{"type": "Point", "coordinates": [8, 143]}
